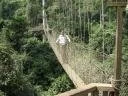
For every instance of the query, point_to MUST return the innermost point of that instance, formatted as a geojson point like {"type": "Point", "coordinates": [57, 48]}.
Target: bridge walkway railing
{"type": "Point", "coordinates": [93, 89]}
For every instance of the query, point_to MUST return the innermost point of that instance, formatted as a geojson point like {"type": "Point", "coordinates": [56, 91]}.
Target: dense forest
{"type": "Point", "coordinates": [28, 65]}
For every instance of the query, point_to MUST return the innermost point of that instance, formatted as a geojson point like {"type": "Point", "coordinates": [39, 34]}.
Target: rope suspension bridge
{"type": "Point", "coordinates": [86, 66]}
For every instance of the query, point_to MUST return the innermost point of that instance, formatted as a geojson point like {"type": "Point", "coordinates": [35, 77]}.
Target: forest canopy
{"type": "Point", "coordinates": [28, 65]}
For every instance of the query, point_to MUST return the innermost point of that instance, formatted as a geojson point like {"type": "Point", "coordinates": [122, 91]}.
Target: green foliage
{"type": "Point", "coordinates": [106, 37]}
{"type": "Point", "coordinates": [1, 93]}
{"type": "Point", "coordinates": [6, 65]}
{"type": "Point", "coordinates": [25, 61]}
{"type": "Point", "coordinates": [8, 8]}
{"type": "Point", "coordinates": [16, 31]}
{"type": "Point", "coordinates": [1, 24]}
{"type": "Point", "coordinates": [39, 65]}
{"type": "Point", "coordinates": [61, 84]}
{"type": "Point", "coordinates": [12, 81]}
{"type": "Point", "coordinates": [34, 12]}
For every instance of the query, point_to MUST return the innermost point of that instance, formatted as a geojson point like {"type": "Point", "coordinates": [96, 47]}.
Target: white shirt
{"type": "Point", "coordinates": [63, 39]}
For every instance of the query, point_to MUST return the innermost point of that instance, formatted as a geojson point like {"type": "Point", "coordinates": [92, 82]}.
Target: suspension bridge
{"type": "Point", "coordinates": [90, 76]}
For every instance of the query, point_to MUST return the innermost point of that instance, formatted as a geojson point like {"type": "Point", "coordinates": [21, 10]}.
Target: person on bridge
{"type": "Point", "coordinates": [63, 40]}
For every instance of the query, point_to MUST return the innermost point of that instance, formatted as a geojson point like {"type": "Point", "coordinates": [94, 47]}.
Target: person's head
{"type": "Point", "coordinates": [62, 32]}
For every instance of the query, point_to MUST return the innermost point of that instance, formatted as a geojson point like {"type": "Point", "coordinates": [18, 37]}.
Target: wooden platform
{"type": "Point", "coordinates": [92, 89]}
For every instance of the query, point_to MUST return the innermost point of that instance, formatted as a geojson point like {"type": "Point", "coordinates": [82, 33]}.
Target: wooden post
{"type": "Point", "coordinates": [118, 48]}
{"type": "Point", "coordinates": [111, 93]}
{"type": "Point", "coordinates": [105, 93]}
{"type": "Point", "coordinates": [95, 93]}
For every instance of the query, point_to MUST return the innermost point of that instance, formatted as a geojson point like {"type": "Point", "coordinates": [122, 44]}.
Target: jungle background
{"type": "Point", "coordinates": [28, 65]}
